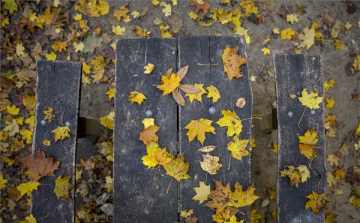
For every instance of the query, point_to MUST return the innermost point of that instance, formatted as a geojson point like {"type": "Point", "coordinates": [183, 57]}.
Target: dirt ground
{"type": "Point", "coordinates": [94, 102]}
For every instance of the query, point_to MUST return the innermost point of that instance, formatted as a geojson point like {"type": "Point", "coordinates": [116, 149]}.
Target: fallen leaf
{"type": "Point", "coordinates": [49, 114]}
{"type": "Point", "coordinates": [149, 68]}
{"type": "Point", "coordinates": [311, 100]}
{"type": "Point", "coordinates": [195, 96]}
{"type": "Point", "coordinates": [213, 93]}
{"type": "Point", "coordinates": [12, 110]}
{"type": "Point", "coordinates": [220, 197]}
{"type": "Point", "coordinates": [60, 133]}
{"type": "Point", "coordinates": [240, 102]}
{"type": "Point", "coordinates": [40, 165]}
{"type": "Point", "coordinates": [3, 182]}
{"type": "Point", "coordinates": [12, 128]}
{"type": "Point", "coordinates": [118, 30]}
{"type": "Point", "coordinates": [177, 168]}
{"type": "Point", "coordinates": [140, 32]}
{"type": "Point", "coordinates": [204, 6]}
{"type": "Point", "coordinates": [330, 102]}
{"type": "Point", "coordinates": [59, 46]}
{"type": "Point", "coordinates": [338, 45]}
{"type": "Point", "coordinates": [111, 93]}
{"type": "Point", "coordinates": [232, 62]}
{"type": "Point", "coordinates": [210, 164]}
{"type": "Point", "coordinates": [316, 202]}
{"type": "Point", "coordinates": [308, 38]}
{"type": "Point", "coordinates": [136, 97]}
{"type": "Point", "coordinates": [156, 156]}
{"type": "Point", "coordinates": [240, 198]}
{"type": "Point", "coordinates": [307, 142]}
{"type": "Point", "coordinates": [287, 33]}
{"type": "Point", "coordinates": [10, 5]}
{"type": "Point", "coordinates": [27, 188]}
{"type": "Point", "coordinates": [198, 128]}
{"type": "Point", "coordinates": [296, 174]}
{"type": "Point", "coordinates": [46, 142]}
{"type": "Point", "coordinates": [291, 18]}
{"type": "Point", "coordinates": [149, 134]}
{"type": "Point", "coordinates": [202, 192]}
{"type": "Point", "coordinates": [169, 84]}
{"type": "Point", "coordinates": [232, 121]}
{"type": "Point", "coordinates": [93, 8]}
{"type": "Point", "coordinates": [207, 149]}
{"type": "Point", "coordinates": [62, 187]}
{"type": "Point", "coordinates": [238, 148]}
{"type": "Point", "coordinates": [29, 219]}
{"type": "Point", "coordinates": [265, 50]}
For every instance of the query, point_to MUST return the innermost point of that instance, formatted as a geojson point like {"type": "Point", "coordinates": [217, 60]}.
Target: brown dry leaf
{"type": "Point", "coordinates": [140, 32]}
{"type": "Point", "coordinates": [220, 197]}
{"type": "Point", "coordinates": [207, 149]}
{"type": "Point", "coordinates": [232, 62]}
{"type": "Point", "coordinates": [205, 6]}
{"type": "Point", "coordinates": [149, 134]}
{"type": "Point", "coordinates": [40, 165]}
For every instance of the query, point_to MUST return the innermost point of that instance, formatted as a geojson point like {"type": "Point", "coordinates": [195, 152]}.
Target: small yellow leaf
{"type": "Point", "coordinates": [198, 128]}
{"type": "Point", "coordinates": [328, 84]}
{"type": "Point", "coordinates": [108, 121]}
{"type": "Point", "coordinates": [213, 93]}
{"type": "Point", "coordinates": [49, 114]}
{"type": "Point", "coordinates": [177, 168]}
{"type": "Point", "coordinates": [136, 97]}
{"type": "Point", "coordinates": [232, 121]}
{"type": "Point", "coordinates": [78, 17]}
{"type": "Point", "coordinates": [238, 148]}
{"type": "Point", "coordinates": [149, 68]}
{"type": "Point", "coordinates": [50, 56]}
{"type": "Point", "coordinates": [109, 184]}
{"type": "Point", "coordinates": [20, 49]}
{"type": "Point", "coordinates": [59, 46]}
{"type": "Point", "coordinates": [3, 182]}
{"type": "Point", "coordinates": [156, 156]}
{"type": "Point", "coordinates": [348, 25]}
{"type": "Point", "coordinates": [311, 100]}
{"type": "Point", "coordinates": [29, 219]}
{"type": "Point", "coordinates": [12, 128]}
{"type": "Point", "coordinates": [338, 45]}
{"type": "Point", "coordinates": [356, 63]}
{"type": "Point", "coordinates": [296, 174]}
{"type": "Point", "coordinates": [118, 30]}
{"type": "Point", "coordinates": [197, 96]}
{"type": "Point", "coordinates": [265, 50]}
{"type": "Point", "coordinates": [111, 93]}
{"type": "Point", "coordinates": [207, 149]}
{"type": "Point", "coordinates": [330, 102]}
{"type": "Point", "coordinates": [202, 192]}
{"type": "Point", "coordinates": [155, 2]}
{"type": "Point", "coordinates": [193, 15]}
{"type": "Point", "coordinates": [147, 122]}
{"type": "Point", "coordinates": [60, 133]}
{"type": "Point", "coordinates": [13, 110]}
{"type": "Point", "coordinates": [275, 30]}
{"type": "Point", "coordinates": [167, 9]}
{"type": "Point", "coordinates": [169, 84]}
{"type": "Point", "coordinates": [26, 188]}
{"type": "Point", "coordinates": [240, 198]}
{"type": "Point", "coordinates": [10, 5]}
{"type": "Point", "coordinates": [308, 38]}
{"type": "Point", "coordinates": [287, 33]}
{"type": "Point", "coordinates": [291, 18]}
{"type": "Point", "coordinates": [62, 187]}
{"type": "Point", "coordinates": [140, 32]}
{"type": "Point", "coordinates": [232, 62]}
{"type": "Point", "coordinates": [307, 142]}
{"type": "Point", "coordinates": [29, 101]}
{"type": "Point", "coordinates": [26, 135]}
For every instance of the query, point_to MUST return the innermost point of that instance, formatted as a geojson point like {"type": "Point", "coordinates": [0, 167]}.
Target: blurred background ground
{"type": "Point", "coordinates": [335, 20]}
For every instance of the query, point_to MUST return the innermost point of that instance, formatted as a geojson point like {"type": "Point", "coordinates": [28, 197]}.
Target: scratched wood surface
{"type": "Point", "coordinates": [58, 85]}
{"type": "Point", "coordinates": [206, 50]}
{"type": "Point", "coordinates": [140, 193]}
{"type": "Point", "coordinates": [293, 74]}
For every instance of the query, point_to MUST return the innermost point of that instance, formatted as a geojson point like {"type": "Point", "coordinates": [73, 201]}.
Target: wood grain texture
{"type": "Point", "coordinates": [58, 87]}
{"type": "Point", "coordinates": [206, 50]}
{"type": "Point", "coordinates": [140, 193]}
{"type": "Point", "coordinates": [293, 74]}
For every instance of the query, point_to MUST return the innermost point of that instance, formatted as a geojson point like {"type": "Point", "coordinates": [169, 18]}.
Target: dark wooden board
{"type": "Point", "coordinates": [140, 193]}
{"type": "Point", "coordinates": [206, 50]}
{"type": "Point", "coordinates": [58, 87]}
{"type": "Point", "coordinates": [293, 74]}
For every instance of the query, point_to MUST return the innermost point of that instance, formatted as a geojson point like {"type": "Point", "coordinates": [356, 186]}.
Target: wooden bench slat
{"type": "Point", "coordinates": [293, 74]}
{"type": "Point", "coordinates": [206, 50]}
{"type": "Point", "coordinates": [139, 192]}
{"type": "Point", "coordinates": [58, 87]}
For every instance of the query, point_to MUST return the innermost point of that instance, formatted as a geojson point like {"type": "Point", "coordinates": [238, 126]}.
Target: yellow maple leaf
{"type": "Point", "coordinates": [59, 46]}
{"type": "Point", "coordinates": [149, 68]}
{"type": "Point", "coordinates": [31, 122]}
{"type": "Point", "coordinates": [330, 102]}
{"type": "Point", "coordinates": [78, 17]}
{"type": "Point", "coordinates": [147, 122]}
{"type": "Point", "coordinates": [20, 49]}
{"type": "Point", "coordinates": [155, 2]}
{"type": "Point", "coordinates": [7, 160]}
{"type": "Point", "coordinates": [330, 179]}
{"type": "Point", "coordinates": [296, 174]}
{"type": "Point", "coordinates": [198, 128]}
{"type": "Point", "coordinates": [29, 219]}
{"type": "Point", "coordinates": [311, 100]}
{"type": "Point", "coordinates": [108, 120]}
{"type": "Point", "coordinates": [275, 30]}
{"type": "Point", "coordinates": [121, 13]}
{"type": "Point", "coordinates": [156, 156]}
{"type": "Point", "coordinates": [12, 110]}
{"type": "Point", "coordinates": [136, 97]}
{"type": "Point", "coordinates": [26, 135]}
{"type": "Point", "coordinates": [167, 9]}
{"type": "Point", "coordinates": [255, 217]}
{"type": "Point", "coordinates": [198, 95]}
{"type": "Point", "coordinates": [265, 50]}
{"type": "Point", "coordinates": [10, 5]}
{"type": "Point", "coordinates": [232, 121]}
{"type": "Point", "coordinates": [165, 31]}
{"type": "Point", "coordinates": [328, 84]}
{"type": "Point", "coordinates": [62, 187]}
{"type": "Point", "coordinates": [240, 198]}
{"type": "Point", "coordinates": [177, 168]}
{"type": "Point", "coordinates": [78, 47]}
{"type": "Point", "coordinates": [316, 202]}
{"type": "Point", "coordinates": [111, 93]}
{"type": "Point", "coordinates": [49, 114]}
{"type": "Point", "coordinates": [291, 18]}
{"type": "Point", "coordinates": [338, 45]}
{"type": "Point", "coordinates": [202, 192]}
{"type": "Point", "coordinates": [213, 93]}
{"type": "Point", "coordinates": [118, 30]}
{"type": "Point", "coordinates": [109, 184]}
{"type": "Point", "coordinates": [356, 63]}
{"type": "Point", "coordinates": [12, 128]}
{"type": "Point", "coordinates": [86, 68]}
{"type": "Point", "coordinates": [29, 102]}
{"type": "Point", "coordinates": [140, 32]}
{"type": "Point", "coordinates": [308, 38]}
{"type": "Point", "coordinates": [333, 160]}
{"type": "Point", "coordinates": [60, 133]}
{"type": "Point", "coordinates": [169, 84]}
{"type": "Point", "coordinates": [3, 182]}
{"type": "Point", "coordinates": [26, 188]}
{"type": "Point", "coordinates": [46, 142]}
{"type": "Point", "coordinates": [193, 15]}
{"type": "Point", "coordinates": [287, 33]}
{"type": "Point", "coordinates": [307, 142]}
{"type": "Point", "coordinates": [50, 56]}
{"type": "Point", "coordinates": [232, 62]}
{"type": "Point", "coordinates": [249, 7]}
{"type": "Point", "coordinates": [210, 164]}
{"type": "Point", "coordinates": [93, 8]}
{"type": "Point", "coordinates": [238, 148]}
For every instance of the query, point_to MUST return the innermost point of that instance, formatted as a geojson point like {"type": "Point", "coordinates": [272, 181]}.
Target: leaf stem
{"type": "Point", "coordinates": [167, 191]}
{"type": "Point", "coordinates": [211, 64]}
{"type": "Point", "coordinates": [229, 163]}
{"type": "Point", "coordinates": [301, 119]}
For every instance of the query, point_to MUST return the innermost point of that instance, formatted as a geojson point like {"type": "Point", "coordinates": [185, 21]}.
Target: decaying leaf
{"type": "Point", "coordinates": [240, 198]}
{"type": "Point", "coordinates": [136, 97]}
{"type": "Point", "coordinates": [210, 164]}
{"type": "Point", "coordinates": [240, 102]}
{"type": "Point", "coordinates": [308, 38]}
{"type": "Point", "coordinates": [316, 202]}
{"type": "Point", "coordinates": [296, 174]}
{"type": "Point", "coordinates": [40, 165]}
{"type": "Point", "coordinates": [149, 133]}
{"type": "Point", "coordinates": [149, 68]}
{"type": "Point", "coordinates": [232, 121]}
{"type": "Point", "coordinates": [62, 187]}
{"type": "Point", "coordinates": [177, 168]}
{"type": "Point", "coordinates": [93, 8]}
{"type": "Point", "coordinates": [232, 62]}
{"type": "Point", "coordinates": [220, 197]}
{"type": "Point", "coordinates": [207, 149]}
{"type": "Point", "coordinates": [198, 128]}
{"type": "Point", "coordinates": [202, 192]}
{"type": "Point", "coordinates": [238, 148]}
{"type": "Point", "coordinates": [61, 133]}
{"type": "Point", "coordinates": [198, 89]}
{"type": "Point", "coordinates": [213, 93]}
{"type": "Point", "coordinates": [311, 100]}
{"type": "Point", "coordinates": [156, 156]}
{"type": "Point", "coordinates": [49, 114]}
{"type": "Point", "coordinates": [200, 5]}
{"type": "Point", "coordinates": [307, 142]}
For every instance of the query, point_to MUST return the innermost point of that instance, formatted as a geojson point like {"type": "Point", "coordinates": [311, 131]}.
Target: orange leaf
{"type": "Point", "coordinates": [40, 165]}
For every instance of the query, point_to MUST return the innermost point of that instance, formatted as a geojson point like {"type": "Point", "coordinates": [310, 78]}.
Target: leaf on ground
{"type": "Point", "coordinates": [330, 102]}
{"type": "Point", "coordinates": [356, 63]}
{"type": "Point", "coordinates": [60, 133]}
{"type": "Point", "coordinates": [213, 93]}
{"type": "Point", "coordinates": [111, 93]}
{"type": "Point", "coordinates": [12, 110]}
{"type": "Point", "coordinates": [108, 120]}
{"type": "Point", "coordinates": [10, 5]}
{"type": "Point", "coordinates": [49, 114]}
{"type": "Point", "coordinates": [291, 18]}
{"type": "Point", "coordinates": [3, 182]}
{"type": "Point", "coordinates": [118, 30]}
{"type": "Point", "coordinates": [169, 84]}
{"type": "Point", "coordinates": [210, 164]}
{"type": "Point", "coordinates": [204, 6]}
{"type": "Point", "coordinates": [149, 68]}
{"type": "Point", "coordinates": [232, 62]}
{"type": "Point", "coordinates": [40, 165]}
{"type": "Point", "coordinates": [240, 198]}
{"type": "Point", "coordinates": [91, 43]}
{"type": "Point", "coordinates": [195, 96]}
{"type": "Point", "coordinates": [93, 8]}
{"type": "Point", "coordinates": [238, 148]}
{"type": "Point", "coordinates": [255, 217]}
{"type": "Point", "coordinates": [12, 128]}
{"type": "Point", "coordinates": [26, 188]}
{"type": "Point", "coordinates": [29, 219]}
{"type": "Point", "coordinates": [198, 128]}
{"type": "Point", "coordinates": [232, 121]}
{"type": "Point", "coordinates": [122, 12]}
{"type": "Point", "coordinates": [202, 192]}
{"type": "Point", "coordinates": [316, 202]}
{"type": "Point", "coordinates": [296, 174]}
{"type": "Point", "coordinates": [287, 33]}
{"type": "Point", "coordinates": [140, 32]}
{"type": "Point", "coordinates": [62, 187]}
{"type": "Point", "coordinates": [311, 100]}
{"type": "Point", "coordinates": [59, 46]}
{"type": "Point", "coordinates": [177, 168]}
{"type": "Point", "coordinates": [136, 97]}
{"type": "Point", "coordinates": [149, 134]}
{"type": "Point", "coordinates": [207, 149]}
{"type": "Point", "coordinates": [156, 156]}
{"type": "Point", "coordinates": [220, 197]}
{"type": "Point", "coordinates": [307, 142]}
{"type": "Point", "coordinates": [308, 38]}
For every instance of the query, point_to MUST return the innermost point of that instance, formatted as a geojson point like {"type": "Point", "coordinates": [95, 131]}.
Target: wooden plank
{"type": "Point", "coordinates": [206, 50]}
{"type": "Point", "coordinates": [293, 74]}
{"type": "Point", "coordinates": [58, 87]}
{"type": "Point", "coordinates": [140, 193]}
